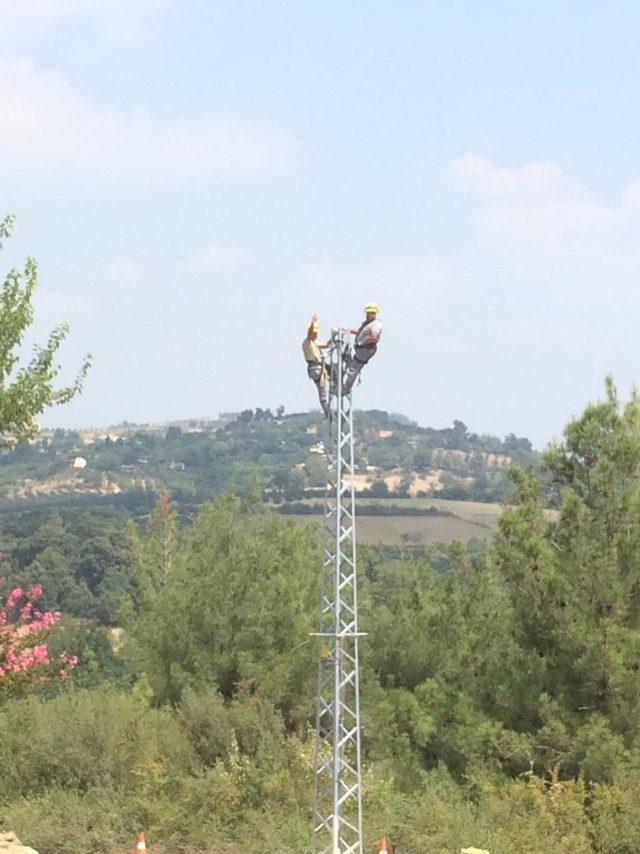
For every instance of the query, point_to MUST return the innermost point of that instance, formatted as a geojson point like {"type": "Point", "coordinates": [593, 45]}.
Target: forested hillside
{"type": "Point", "coordinates": [122, 466]}
{"type": "Point", "coordinates": [500, 685]}
{"type": "Point", "coordinates": [73, 537]}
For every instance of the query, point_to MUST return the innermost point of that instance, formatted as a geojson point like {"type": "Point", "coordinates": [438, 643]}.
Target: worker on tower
{"type": "Point", "coordinates": [365, 346]}
{"type": "Point", "coordinates": [316, 366]}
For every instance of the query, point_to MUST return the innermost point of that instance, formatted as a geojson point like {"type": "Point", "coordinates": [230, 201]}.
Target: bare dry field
{"type": "Point", "coordinates": [469, 520]}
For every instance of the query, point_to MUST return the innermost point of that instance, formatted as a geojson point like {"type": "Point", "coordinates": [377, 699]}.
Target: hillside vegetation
{"type": "Point", "coordinates": [198, 459]}
{"type": "Point", "coordinates": [500, 685]}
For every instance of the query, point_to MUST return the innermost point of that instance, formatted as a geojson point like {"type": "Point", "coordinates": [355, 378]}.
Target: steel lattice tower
{"type": "Point", "coordinates": [337, 800]}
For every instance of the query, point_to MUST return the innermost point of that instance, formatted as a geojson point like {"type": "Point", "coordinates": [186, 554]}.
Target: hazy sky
{"type": "Point", "coordinates": [196, 177]}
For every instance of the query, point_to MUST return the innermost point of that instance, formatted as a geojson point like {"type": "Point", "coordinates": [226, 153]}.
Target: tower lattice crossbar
{"type": "Point", "coordinates": [337, 802]}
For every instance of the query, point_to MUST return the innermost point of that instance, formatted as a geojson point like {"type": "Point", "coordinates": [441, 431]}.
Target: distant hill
{"type": "Point", "coordinates": [196, 459]}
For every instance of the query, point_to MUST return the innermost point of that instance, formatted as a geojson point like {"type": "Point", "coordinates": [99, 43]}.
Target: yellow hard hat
{"type": "Point", "coordinates": [314, 327]}
{"type": "Point", "coordinates": [371, 307]}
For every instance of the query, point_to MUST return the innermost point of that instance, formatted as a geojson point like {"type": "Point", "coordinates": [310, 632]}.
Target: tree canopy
{"type": "Point", "coordinates": [27, 388]}
{"type": "Point", "coordinates": [500, 685]}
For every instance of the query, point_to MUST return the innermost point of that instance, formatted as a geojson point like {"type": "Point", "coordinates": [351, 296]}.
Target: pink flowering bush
{"type": "Point", "coordinates": [25, 658]}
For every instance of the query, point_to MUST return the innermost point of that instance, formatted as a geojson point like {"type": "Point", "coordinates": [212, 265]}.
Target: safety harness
{"type": "Point", "coordinates": [371, 347]}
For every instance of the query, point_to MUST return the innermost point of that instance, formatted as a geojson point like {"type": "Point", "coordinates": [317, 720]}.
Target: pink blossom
{"type": "Point", "coordinates": [21, 653]}
{"type": "Point", "coordinates": [40, 622]}
{"type": "Point", "coordinates": [14, 597]}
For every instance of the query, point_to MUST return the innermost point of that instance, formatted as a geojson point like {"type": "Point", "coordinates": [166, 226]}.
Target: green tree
{"type": "Point", "coordinates": [569, 586]}
{"type": "Point", "coordinates": [422, 459]}
{"type": "Point", "coordinates": [237, 602]}
{"type": "Point", "coordinates": [27, 390]}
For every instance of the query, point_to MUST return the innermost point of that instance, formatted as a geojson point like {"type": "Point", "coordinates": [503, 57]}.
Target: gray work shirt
{"type": "Point", "coordinates": [374, 327]}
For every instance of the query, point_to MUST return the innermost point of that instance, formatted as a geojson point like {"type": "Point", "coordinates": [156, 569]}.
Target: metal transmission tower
{"type": "Point", "coordinates": [337, 801]}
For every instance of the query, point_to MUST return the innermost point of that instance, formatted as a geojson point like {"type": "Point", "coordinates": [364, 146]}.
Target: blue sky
{"type": "Point", "coordinates": [196, 178]}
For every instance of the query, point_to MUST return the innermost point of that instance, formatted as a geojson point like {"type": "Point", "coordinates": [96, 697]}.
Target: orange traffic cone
{"type": "Point", "coordinates": [383, 846]}
{"type": "Point", "coordinates": [142, 845]}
